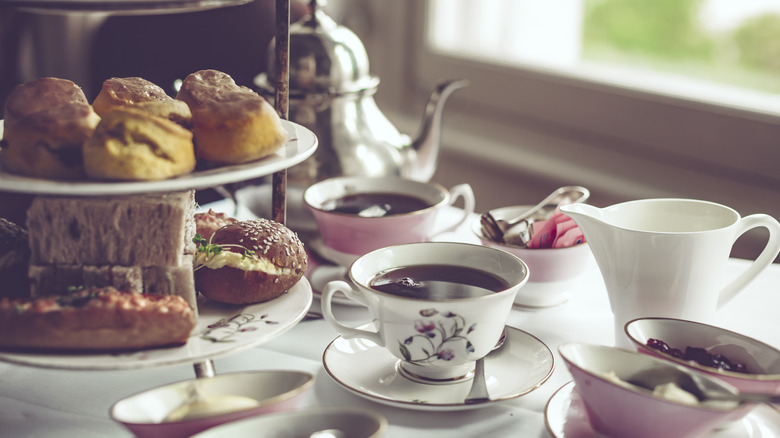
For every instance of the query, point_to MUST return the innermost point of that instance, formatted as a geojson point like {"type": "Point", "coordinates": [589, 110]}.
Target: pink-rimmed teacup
{"type": "Point", "coordinates": [353, 232]}
{"type": "Point", "coordinates": [616, 408]}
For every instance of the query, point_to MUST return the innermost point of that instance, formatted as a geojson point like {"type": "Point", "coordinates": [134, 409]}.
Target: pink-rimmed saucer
{"type": "Point", "coordinates": [565, 417]}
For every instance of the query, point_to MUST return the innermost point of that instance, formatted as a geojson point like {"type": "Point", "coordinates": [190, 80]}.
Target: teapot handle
{"type": "Point", "coordinates": [767, 256]}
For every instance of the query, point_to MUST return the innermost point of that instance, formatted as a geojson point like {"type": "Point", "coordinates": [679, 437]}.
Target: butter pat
{"type": "Point", "coordinates": [238, 261]}
{"type": "Point", "coordinates": [672, 391]}
{"type": "Point", "coordinates": [209, 406]}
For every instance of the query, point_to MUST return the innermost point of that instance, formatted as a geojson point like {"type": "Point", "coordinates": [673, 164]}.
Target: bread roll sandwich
{"type": "Point", "coordinates": [232, 124]}
{"type": "Point", "coordinates": [249, 262]}
{"type": "Point", "coordinates": [47, 121]}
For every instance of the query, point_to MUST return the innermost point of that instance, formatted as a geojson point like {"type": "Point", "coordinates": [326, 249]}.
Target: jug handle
{"type": "Point", "coordinates": [767, 256]}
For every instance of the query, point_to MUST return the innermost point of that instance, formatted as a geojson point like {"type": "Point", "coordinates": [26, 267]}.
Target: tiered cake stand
{"type": "Point", "coordinates": [222, 329]}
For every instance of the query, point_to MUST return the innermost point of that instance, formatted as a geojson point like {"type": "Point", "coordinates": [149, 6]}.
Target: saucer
{"type": "Point", "coordinates": [330, 254]}
{"type": "Point", "coordinates": [565, 417]}
{"type": "Point", "coordinates": [369, 371]}
{"type": "Point", "coordinates": [324, 274]}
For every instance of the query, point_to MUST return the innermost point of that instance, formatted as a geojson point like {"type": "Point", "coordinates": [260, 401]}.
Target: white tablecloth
{"type": "Point", "coordinates": [37, 402]}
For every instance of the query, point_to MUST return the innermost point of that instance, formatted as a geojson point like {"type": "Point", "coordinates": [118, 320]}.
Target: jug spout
{"type": "Point", "coordinates": [582, 211]}
{"type": "Point", "coordinates": [426, 145]}
{"type": "Point", "coordinates": [590, 220]}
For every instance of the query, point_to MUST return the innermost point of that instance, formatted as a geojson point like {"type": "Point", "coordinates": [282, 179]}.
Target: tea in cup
{"type": "Point", "coordinates": [665, 257]}
{"type": "Point", "coordinates": [437, 306]}
{"type": "Point", "coordinates": [356, 215]}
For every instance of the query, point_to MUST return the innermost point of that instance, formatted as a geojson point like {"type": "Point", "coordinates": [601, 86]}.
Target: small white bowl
{"type": "Point", "coordinates": [350, 422]}
{"type": "Point", "coordinates": [145, 413]}
{"type": "Point", "coordinates": [621, 410]}
{"type": "Point", "coordinates": [553, 271]}
{"type": "Point", "coordinates": [762, 360]}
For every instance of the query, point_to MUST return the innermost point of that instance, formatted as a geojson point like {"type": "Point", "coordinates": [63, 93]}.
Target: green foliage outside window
{"type": "Point", "coordinates": [667, 35]}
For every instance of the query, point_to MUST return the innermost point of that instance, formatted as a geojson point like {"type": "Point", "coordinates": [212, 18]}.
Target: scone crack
{"type": "Point", "coordinates": [69, 154]}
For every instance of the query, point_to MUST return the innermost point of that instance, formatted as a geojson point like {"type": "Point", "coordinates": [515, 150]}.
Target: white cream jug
{"type": "Point", "coordinates": [666, 257]}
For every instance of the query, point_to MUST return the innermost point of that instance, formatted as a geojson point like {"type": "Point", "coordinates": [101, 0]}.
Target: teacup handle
{"type": "Point", "coordinates": [767, 256]}
{"type": "Point", "coordinates": [327, 312]}
{"type": "Point", "coordinates": [469, 203]}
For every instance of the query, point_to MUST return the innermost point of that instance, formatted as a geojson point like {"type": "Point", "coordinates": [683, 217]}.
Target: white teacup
{"type": "Point", "coordinates": [665, 257]}
{"type": "Point", "coordinates": [357, 234]}
{"type": "Point", "coordinates": [437, 337]}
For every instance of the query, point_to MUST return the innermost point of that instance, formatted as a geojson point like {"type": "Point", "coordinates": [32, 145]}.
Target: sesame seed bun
{"type": "Point", "coordinates": [260, 260]}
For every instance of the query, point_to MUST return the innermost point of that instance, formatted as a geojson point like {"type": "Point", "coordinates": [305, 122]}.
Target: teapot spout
{"type": "Point", "coordinates": [426, 145]}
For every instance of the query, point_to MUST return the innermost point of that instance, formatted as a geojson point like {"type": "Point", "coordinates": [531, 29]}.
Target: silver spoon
{"type": "Point", "coordinates": [652, 377]}
{"type": "Point", "coordinates": [479, 392]}
{"type": "Point", "coordinates": [497, 230]}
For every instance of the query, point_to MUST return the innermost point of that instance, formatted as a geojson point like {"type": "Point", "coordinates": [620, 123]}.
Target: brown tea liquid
{"type": "Point", "coordinates": [376, 204]}
{"type": "Point", "coordinates": [437, 282]}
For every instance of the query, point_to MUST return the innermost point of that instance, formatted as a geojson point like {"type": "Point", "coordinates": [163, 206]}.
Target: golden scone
{"type": "Point", "coordinates": [232, 124]}
{"type": "Point", "coordinates": [249, 262]}
{"type": "Point", "coordinates": [171, 109]}
{"type": "Point", "coordinates": [124, 92]}
{"type": "Point", "coordinates": [130, 144]}
{"type": "Point", "coordinates": [47, 121]}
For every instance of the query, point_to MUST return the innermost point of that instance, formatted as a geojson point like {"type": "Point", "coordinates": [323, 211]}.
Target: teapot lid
{"type": "Point", "coordinates": [324, 57]}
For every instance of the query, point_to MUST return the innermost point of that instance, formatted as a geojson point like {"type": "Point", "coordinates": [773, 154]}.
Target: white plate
{"type": "Point", "coordinates": [222, 329]}
{"type": "Point", "coordinates": [301, 145]}
{"type": "Point", "coordinates": [521, 365]}
{"type": "Point", "coordinates": [125, 6]}
{"type": "Point", "coordinates": [565, 417]}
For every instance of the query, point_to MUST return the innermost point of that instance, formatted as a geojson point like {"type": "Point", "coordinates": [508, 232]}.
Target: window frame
{"type": "Point", "coordinates": [705, 135]}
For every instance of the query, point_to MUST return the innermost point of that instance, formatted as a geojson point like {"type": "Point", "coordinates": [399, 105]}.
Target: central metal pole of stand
{"type": "Point", "coordinates": [279, 195]}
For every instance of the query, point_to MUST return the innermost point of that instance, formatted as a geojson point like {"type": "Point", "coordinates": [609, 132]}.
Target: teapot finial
{"type": "Point", "coordinates": [426, 145]}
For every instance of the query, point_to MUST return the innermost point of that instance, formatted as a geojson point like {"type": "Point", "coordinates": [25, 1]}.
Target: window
{"type": "Point", "coordinates": [622, 111]}
{"type": "Point", "coordinates": [627, 129]}
{"type": "Point", "coordinates": [695, 41]}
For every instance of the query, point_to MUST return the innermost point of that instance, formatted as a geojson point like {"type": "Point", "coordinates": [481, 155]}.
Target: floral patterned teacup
{"type": "Point", "coordinates": [437, 338]}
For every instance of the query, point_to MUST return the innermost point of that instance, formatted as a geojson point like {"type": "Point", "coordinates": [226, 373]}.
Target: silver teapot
{"type": "Point", "coordinates": [331, 93]}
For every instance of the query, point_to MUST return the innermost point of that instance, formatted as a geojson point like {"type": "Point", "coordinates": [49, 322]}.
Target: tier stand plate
{"type": "Point", "coordinates": [282, 34]}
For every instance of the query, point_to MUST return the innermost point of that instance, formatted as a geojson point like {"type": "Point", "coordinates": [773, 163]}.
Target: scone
{"type": "Point", "coordinates": [131, 144]}
{"type": "Point", "coordinates": [124, 92]}
{"type": "Point", "coordinates": [231, 124]}
{"type": "Point", "coordinates": [47, 121]}
{"type": "Point", "coordinates": [172, 109]}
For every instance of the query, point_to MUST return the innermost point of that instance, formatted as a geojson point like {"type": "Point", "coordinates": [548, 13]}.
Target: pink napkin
{"type": "Point", "coordinates": [558, 231]}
